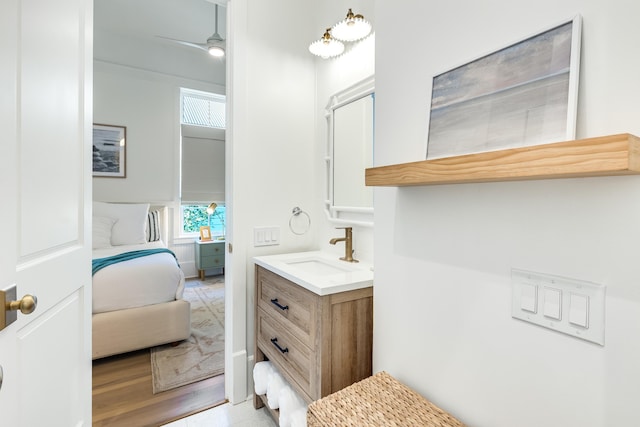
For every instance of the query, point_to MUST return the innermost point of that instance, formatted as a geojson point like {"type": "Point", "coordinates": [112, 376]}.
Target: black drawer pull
{"type": "Point", "coordinates": [280, 306]}
{"type": "Point", "coordinates": [274, 341]}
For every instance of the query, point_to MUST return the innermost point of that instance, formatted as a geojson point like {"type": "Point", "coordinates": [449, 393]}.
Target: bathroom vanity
{"type": "Point", "coordinates": [314, 321]}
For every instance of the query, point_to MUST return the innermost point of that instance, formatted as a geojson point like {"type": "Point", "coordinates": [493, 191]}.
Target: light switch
{"type": "Point", "coordinates": [266, 236]}
{"type": "Point", "coordinates": [529, 298]}
{"type": "Point", "coordinates": [552, 303]}
{"type": "Point", "coordinates": [579, 310]}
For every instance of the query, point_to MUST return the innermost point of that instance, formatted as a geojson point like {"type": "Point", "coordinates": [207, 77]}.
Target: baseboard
{"type": "Point", "coordinates": [250, 386]}
{"type": "Point", "coordinates": [189, 269]}
{"type": "Point", "coordinates": [236, 386]}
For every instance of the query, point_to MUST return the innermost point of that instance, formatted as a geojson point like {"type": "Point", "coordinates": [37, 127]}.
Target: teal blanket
{"type": "Point", "coordinates": [100, 263]}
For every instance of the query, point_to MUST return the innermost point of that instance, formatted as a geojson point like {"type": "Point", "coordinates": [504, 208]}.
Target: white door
{"type": "Point", "coordinates": [45, 202]}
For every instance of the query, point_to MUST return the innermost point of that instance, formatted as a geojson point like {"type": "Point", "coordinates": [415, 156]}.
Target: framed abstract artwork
{"type": "Point", "coordinates": [524, 94]}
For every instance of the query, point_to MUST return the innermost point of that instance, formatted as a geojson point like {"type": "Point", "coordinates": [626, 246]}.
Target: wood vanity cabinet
{"type": "Point", "coordinates": [319, 344]}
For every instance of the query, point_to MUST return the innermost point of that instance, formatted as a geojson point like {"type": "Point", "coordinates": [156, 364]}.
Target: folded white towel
{"type": "Point", "coordinates": [299, 418]}
{"type": "Point", "coordinates": [274, 385]}
{"type": "Point", "coordinates": [261, 371]}
{"type": "Point", "coordinates": [290, 402]}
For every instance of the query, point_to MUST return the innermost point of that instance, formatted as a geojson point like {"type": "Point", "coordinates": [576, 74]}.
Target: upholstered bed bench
{"type": "Point", "coordinates": [379, 401]}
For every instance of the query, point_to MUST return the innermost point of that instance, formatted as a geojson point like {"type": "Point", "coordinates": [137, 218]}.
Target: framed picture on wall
{"type": "Point", "coordinates": [109, 151]}
{"type": "Point", "coordinates": [522, 95]}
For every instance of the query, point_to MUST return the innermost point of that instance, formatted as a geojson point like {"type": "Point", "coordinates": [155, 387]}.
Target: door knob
{"type": "Point", "coordinates": [26, 305]}
{"type": "Point", "coordinates": [9, 305]}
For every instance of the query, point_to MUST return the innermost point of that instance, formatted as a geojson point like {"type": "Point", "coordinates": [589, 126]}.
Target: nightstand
{"type": "Point", "coordinates": [209, 254]}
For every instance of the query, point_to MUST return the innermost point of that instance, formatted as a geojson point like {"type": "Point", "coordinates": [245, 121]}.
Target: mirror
{"type": "Point", "coordinates": [350, 119]}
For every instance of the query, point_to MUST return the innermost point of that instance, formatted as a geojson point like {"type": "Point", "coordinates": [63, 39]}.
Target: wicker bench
{"type": "Point", "coordinates": [379, 401]}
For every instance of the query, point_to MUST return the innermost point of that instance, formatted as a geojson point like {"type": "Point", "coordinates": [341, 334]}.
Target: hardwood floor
{"type": "Point", "coordinates": [123, 396]}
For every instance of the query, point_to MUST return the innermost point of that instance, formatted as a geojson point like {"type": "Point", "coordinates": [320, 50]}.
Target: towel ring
{"type": "Point", "coordinates": [296, 213]}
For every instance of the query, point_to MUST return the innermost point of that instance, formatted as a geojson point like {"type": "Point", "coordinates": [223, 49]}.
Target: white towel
{"type": "Point", "coordinates": [290, 402]}
{"type": "Point", "coordinates": [299, 418]}
{"type": "Point", "coordinates": [274, 385]}
{"type": "Point", "coordinates": [261, 371]}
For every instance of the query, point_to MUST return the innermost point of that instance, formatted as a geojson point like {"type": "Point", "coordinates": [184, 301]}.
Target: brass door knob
{"type": "Point", "coordinates": [9, 305]}
{"type": "Point", "coordinates": [26, 305]}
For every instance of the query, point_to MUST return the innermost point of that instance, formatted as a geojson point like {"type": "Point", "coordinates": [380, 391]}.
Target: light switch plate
{"type": "Point", "coordinates": [554, 310]}
{"type": "Point", "coordinates": [266, 236]}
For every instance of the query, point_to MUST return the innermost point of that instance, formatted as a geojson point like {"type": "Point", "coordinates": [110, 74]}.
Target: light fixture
{"type": "Point", "coordinates": [352, 28]}
{"type": "Point", "coordinates": [216, 51]}
{"type": "Point", "coordinates": [327, 46]}
{"type": "Point", "coordinates": [211, 210]}
{"type": "Point", "coordinates": [216, 43]}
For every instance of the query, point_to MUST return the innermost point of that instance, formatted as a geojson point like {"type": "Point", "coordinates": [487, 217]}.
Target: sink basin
{"type": "Point", "coordinates": [317, 266]}
{"type": "Point", "coordinates": [319, 272]}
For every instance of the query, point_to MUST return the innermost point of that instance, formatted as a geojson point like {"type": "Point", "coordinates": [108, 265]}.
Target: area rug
{"type": "Point", "coordinates": [202, 355]}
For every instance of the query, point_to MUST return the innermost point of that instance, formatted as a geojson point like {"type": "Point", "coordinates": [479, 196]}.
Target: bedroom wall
{"type": "Point", "coordinates": [443, 254]}
{"type": "Point", "coordinates": [148, 104]}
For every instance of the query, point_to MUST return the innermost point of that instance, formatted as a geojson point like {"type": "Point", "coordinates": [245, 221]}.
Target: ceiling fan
{"type": "Point", "coordinates": [215, 44]}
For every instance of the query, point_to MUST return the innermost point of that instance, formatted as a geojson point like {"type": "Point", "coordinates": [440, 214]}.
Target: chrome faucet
{"type": "Point", "coordinates": [348, 244]}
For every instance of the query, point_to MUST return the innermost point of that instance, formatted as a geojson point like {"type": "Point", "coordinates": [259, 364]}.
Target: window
{"type": "Point", "coordinates": [202, 162]}
{"type": "Point", "coordinates": [203, 109]}
{"type": "Point", "coordinates": [195, 216]}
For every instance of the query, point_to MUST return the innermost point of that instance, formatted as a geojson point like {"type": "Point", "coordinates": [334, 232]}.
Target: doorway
{"type": "Point", "coordinates": [136, 75]}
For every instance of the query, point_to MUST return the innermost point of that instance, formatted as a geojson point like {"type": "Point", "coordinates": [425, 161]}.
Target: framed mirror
{"type": "Point", "coordinates": [350, 118]}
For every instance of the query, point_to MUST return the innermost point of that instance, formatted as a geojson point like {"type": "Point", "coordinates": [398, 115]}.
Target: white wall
{"type": "Point", "coordinates": [137, 81]}
{"type": "Point", "coordinates": [270, 156]}
{"type": "Point", "coordinates": [148, 104]}
{"type": "Point", "coordinates": [443, 254]}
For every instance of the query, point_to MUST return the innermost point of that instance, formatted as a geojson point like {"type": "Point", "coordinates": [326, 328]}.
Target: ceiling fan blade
{"type": "Point", "coordinates": [201, 46]}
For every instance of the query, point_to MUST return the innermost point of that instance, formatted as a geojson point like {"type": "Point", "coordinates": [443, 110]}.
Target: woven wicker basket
{"type": "Point", "coordinates": [379, 401]}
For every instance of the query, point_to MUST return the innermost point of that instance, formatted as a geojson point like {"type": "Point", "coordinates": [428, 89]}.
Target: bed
{"type": "Point", "coordinates": [137, 282]}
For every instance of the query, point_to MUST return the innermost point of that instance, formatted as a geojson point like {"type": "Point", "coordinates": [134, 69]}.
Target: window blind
{"type": "Point", "coordinates": [202, 164]}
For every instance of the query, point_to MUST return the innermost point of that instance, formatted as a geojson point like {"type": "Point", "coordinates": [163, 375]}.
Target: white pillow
{"type": "Point", "coordinates": [131, 221]}
{"type": "Point", "coordinates": [102, 226]}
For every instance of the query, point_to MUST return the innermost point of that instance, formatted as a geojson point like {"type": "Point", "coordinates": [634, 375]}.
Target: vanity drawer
{"type": "Point", "coordinates": [292, 358]}
{"type": "Point", "coordinates": [294, 306]}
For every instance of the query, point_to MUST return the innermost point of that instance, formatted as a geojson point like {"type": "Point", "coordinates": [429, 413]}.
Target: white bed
{"type": "Point", "coordinates": [137, 303]}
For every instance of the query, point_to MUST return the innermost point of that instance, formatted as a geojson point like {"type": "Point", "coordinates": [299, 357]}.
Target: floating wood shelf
{"type": "Point", "coordinates": [602, 156]}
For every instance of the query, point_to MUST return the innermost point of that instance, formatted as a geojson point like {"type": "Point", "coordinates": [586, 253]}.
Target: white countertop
{"type": "Point", "coordinates": [319, 272]}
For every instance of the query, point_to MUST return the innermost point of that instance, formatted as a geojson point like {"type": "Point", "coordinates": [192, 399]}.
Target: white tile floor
{"type": "Point", "coordinates": [228, 415]}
